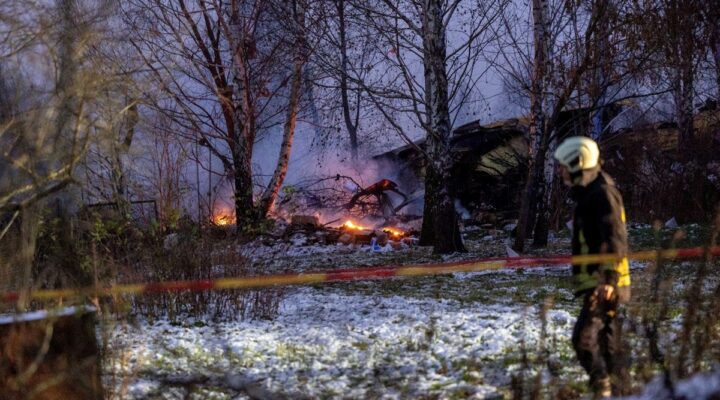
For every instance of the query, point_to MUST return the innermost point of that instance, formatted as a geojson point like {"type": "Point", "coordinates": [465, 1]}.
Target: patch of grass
{"type": "Point", "coordinates": [363, 346]}
{"type": "Point", "coordinates": [691, 235]}
{"type": "Point", "coordinates": [290, 352]}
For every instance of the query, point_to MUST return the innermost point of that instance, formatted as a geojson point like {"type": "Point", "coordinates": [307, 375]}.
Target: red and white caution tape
{"type": "Point", "coordinates": [343, 275]}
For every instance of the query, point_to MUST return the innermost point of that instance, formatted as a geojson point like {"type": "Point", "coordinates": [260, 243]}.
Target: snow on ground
{"type": "Point", "coordinates": [451, 336]}
{"type": "Point", "coordinates": [332, 345]}
{"type": "Point", "coordinates": [703, 386]}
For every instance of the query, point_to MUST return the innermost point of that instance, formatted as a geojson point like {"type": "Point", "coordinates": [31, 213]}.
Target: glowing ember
{"type": "Point", "coordinates": [351, 225]}
{"type": "Point", "coordinates": [394, 232]}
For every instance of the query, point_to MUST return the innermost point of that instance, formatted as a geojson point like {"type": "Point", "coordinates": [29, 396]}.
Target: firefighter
{"type": "Point", "coordinates": [598, 228]}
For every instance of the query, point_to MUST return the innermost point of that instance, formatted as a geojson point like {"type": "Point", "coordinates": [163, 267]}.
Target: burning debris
{"type": "Point", "coordinates": [222, 216]}
{"type": "Point", "coordinates": [307, 230]}
{"type": "Point", "coordinates": [394, 233]}
{"type": "Point", "coordinates": [223, 219]}
{"type": "Point", "coordinates": [379, 190]}
{"type": "Point", "coordinates": [342, 196]}
{"type": "Point", "coordinates": [376, 237]}
{"type": "Point", "coordinates": [349, 225]}
{"type": "Point", "coordinates": [337, 209]}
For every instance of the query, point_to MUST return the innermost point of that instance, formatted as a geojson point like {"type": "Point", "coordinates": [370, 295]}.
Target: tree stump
{"type": "Point", "coordinates": [50, 355]}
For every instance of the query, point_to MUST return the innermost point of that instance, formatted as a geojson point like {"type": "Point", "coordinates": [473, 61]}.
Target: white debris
{"type": "Point", "coordinates": [671, 223]}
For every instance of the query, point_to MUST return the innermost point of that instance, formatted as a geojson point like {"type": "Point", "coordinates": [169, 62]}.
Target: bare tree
{"type": "Point", "coordinates": [45, 130]}
{"type": "Point", "coordinates": [677, 49]}
{"type": "Point", "coordinates": [427, 78]}
{"type": "Point", "coordinates": [343, 55]}
{"type": "Point", "coordinates": [712, 33]}
{"type": "Point", "coordinates": [223, 73]}
{"type": "Point", "coordinates": [296, 9]}
{"type": "Point", "coordinates": [571, 62]}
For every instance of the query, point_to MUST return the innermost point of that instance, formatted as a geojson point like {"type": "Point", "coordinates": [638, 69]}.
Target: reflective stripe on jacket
{"type": "Point", "coordinates": [599, 228]}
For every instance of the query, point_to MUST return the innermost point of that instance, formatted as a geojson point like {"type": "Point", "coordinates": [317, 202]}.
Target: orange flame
{"type": "Point", "coordinates": [394, 232]}
{"type": "Point", "coordinates": [222, 217]}
{"type": "Point", "coordinates": [351, 225]}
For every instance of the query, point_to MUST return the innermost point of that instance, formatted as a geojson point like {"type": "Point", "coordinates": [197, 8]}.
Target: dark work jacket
{"type": "Point", "coordinates": [599, 228]}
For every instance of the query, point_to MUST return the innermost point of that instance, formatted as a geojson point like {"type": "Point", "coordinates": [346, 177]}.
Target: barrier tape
{"type": "Point", "coordinates": [357, 274]}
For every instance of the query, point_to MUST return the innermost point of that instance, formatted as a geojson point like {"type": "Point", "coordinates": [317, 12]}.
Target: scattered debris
{"type": "Point", "coordinates": [379, 190]}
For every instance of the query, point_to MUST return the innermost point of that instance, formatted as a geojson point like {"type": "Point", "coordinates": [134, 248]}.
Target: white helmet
{"type": "Point", "coordinates": [577, 153]}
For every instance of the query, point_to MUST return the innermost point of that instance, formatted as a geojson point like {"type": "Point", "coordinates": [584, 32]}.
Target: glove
{"type": "Point", "coordinates": [601, 298]}
{"type": "Point", "coordinates": [604, 292]}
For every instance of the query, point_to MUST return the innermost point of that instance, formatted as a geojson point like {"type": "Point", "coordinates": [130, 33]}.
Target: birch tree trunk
{"type": "Point", "coordinates": [601, 61]}
{"type": "Point", "coordinates": [438, 199]}
{"type": "Point", "coordinates": [712, 22]}
{"type": "Point", "coordinates": [270, 194]}
{"type": "Point", "coordinates": [427, 231]}
{"type": "Point", "coordinates": [538, 131]}
{"type": "Point", "coordinates": [716, 57]}
{"type": "Point", "coordinates": [684, 105]}
{"type": "Point", "coordinates": [546, 186]}
{"type": "Point", "coordinates": [349, 125]}
{"type": "Point", "coordinates": [683, 19]}
{"type": "Point", "coordinates": [118, 169]}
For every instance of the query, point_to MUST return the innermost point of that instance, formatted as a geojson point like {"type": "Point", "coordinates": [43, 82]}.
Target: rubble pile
{"type": "Point", "coordinates": [307, 230]}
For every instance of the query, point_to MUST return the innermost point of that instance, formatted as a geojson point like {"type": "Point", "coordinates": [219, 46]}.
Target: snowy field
{"type": "Point", "coordinates": [441, 337]}
{"type": "Point", "coordinates": [330, 345]}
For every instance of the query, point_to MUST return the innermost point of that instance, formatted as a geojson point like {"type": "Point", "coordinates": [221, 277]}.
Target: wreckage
{"type": "Point", "coordinates": [490, 167]}
{"type": "Point", "coordinates": [379, 190]}
{"type": "Point", "coordinates": [490, 162]}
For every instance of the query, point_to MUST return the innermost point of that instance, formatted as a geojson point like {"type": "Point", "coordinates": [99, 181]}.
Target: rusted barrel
{"type": "Point", "coordinates": [48, 355]}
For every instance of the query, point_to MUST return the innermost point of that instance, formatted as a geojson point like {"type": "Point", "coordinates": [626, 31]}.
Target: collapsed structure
{"type": "Point", "coordinates": [491, 161]}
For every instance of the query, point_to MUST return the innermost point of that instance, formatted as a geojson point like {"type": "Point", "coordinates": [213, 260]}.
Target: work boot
{"type": "Point", "coordinates": [602, 389]}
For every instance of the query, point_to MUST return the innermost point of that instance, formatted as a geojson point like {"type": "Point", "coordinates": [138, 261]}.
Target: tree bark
{"type": "Point", "coordinates": [25, 254]}
{"type": "Point", "coordinates": [538, 132]}
{"type": "Point", "coordinates": [349, 125]}
{"type": "Point", "coordinates": [427, 232]}
{"type": "Point", "coordinates": [118, 170]}
{"type": "Point", "coordinates": [438, 199]}
{"type": "Point", "coordinates": [242, 136]}
{"type": "Point", "coordinates": [684, 104]}
{"type": "Point", "coordinates": [245, 216]}
{"type": "Point", "coordinates": [683, 19]}
{"type": "Point", "coordinates": [716, 56]}
{"type": "Point", "coordinates": [712, 20]}
{"type": "Point", "coordinates": [544, 194]}
{"type": "Point", "coordinates": [601, 60]}
{"type": "Point", "coordinates": [241, 144]}
{"type": "Point", "coordinates": [267, 201]}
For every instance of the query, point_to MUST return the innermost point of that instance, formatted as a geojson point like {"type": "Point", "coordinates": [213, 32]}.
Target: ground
{"type": "Point", "coordinates": [450, 336]}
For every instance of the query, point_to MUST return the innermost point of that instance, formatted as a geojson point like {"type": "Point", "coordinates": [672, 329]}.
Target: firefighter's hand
{"type": "Point", "coordinates": [604, 292]}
